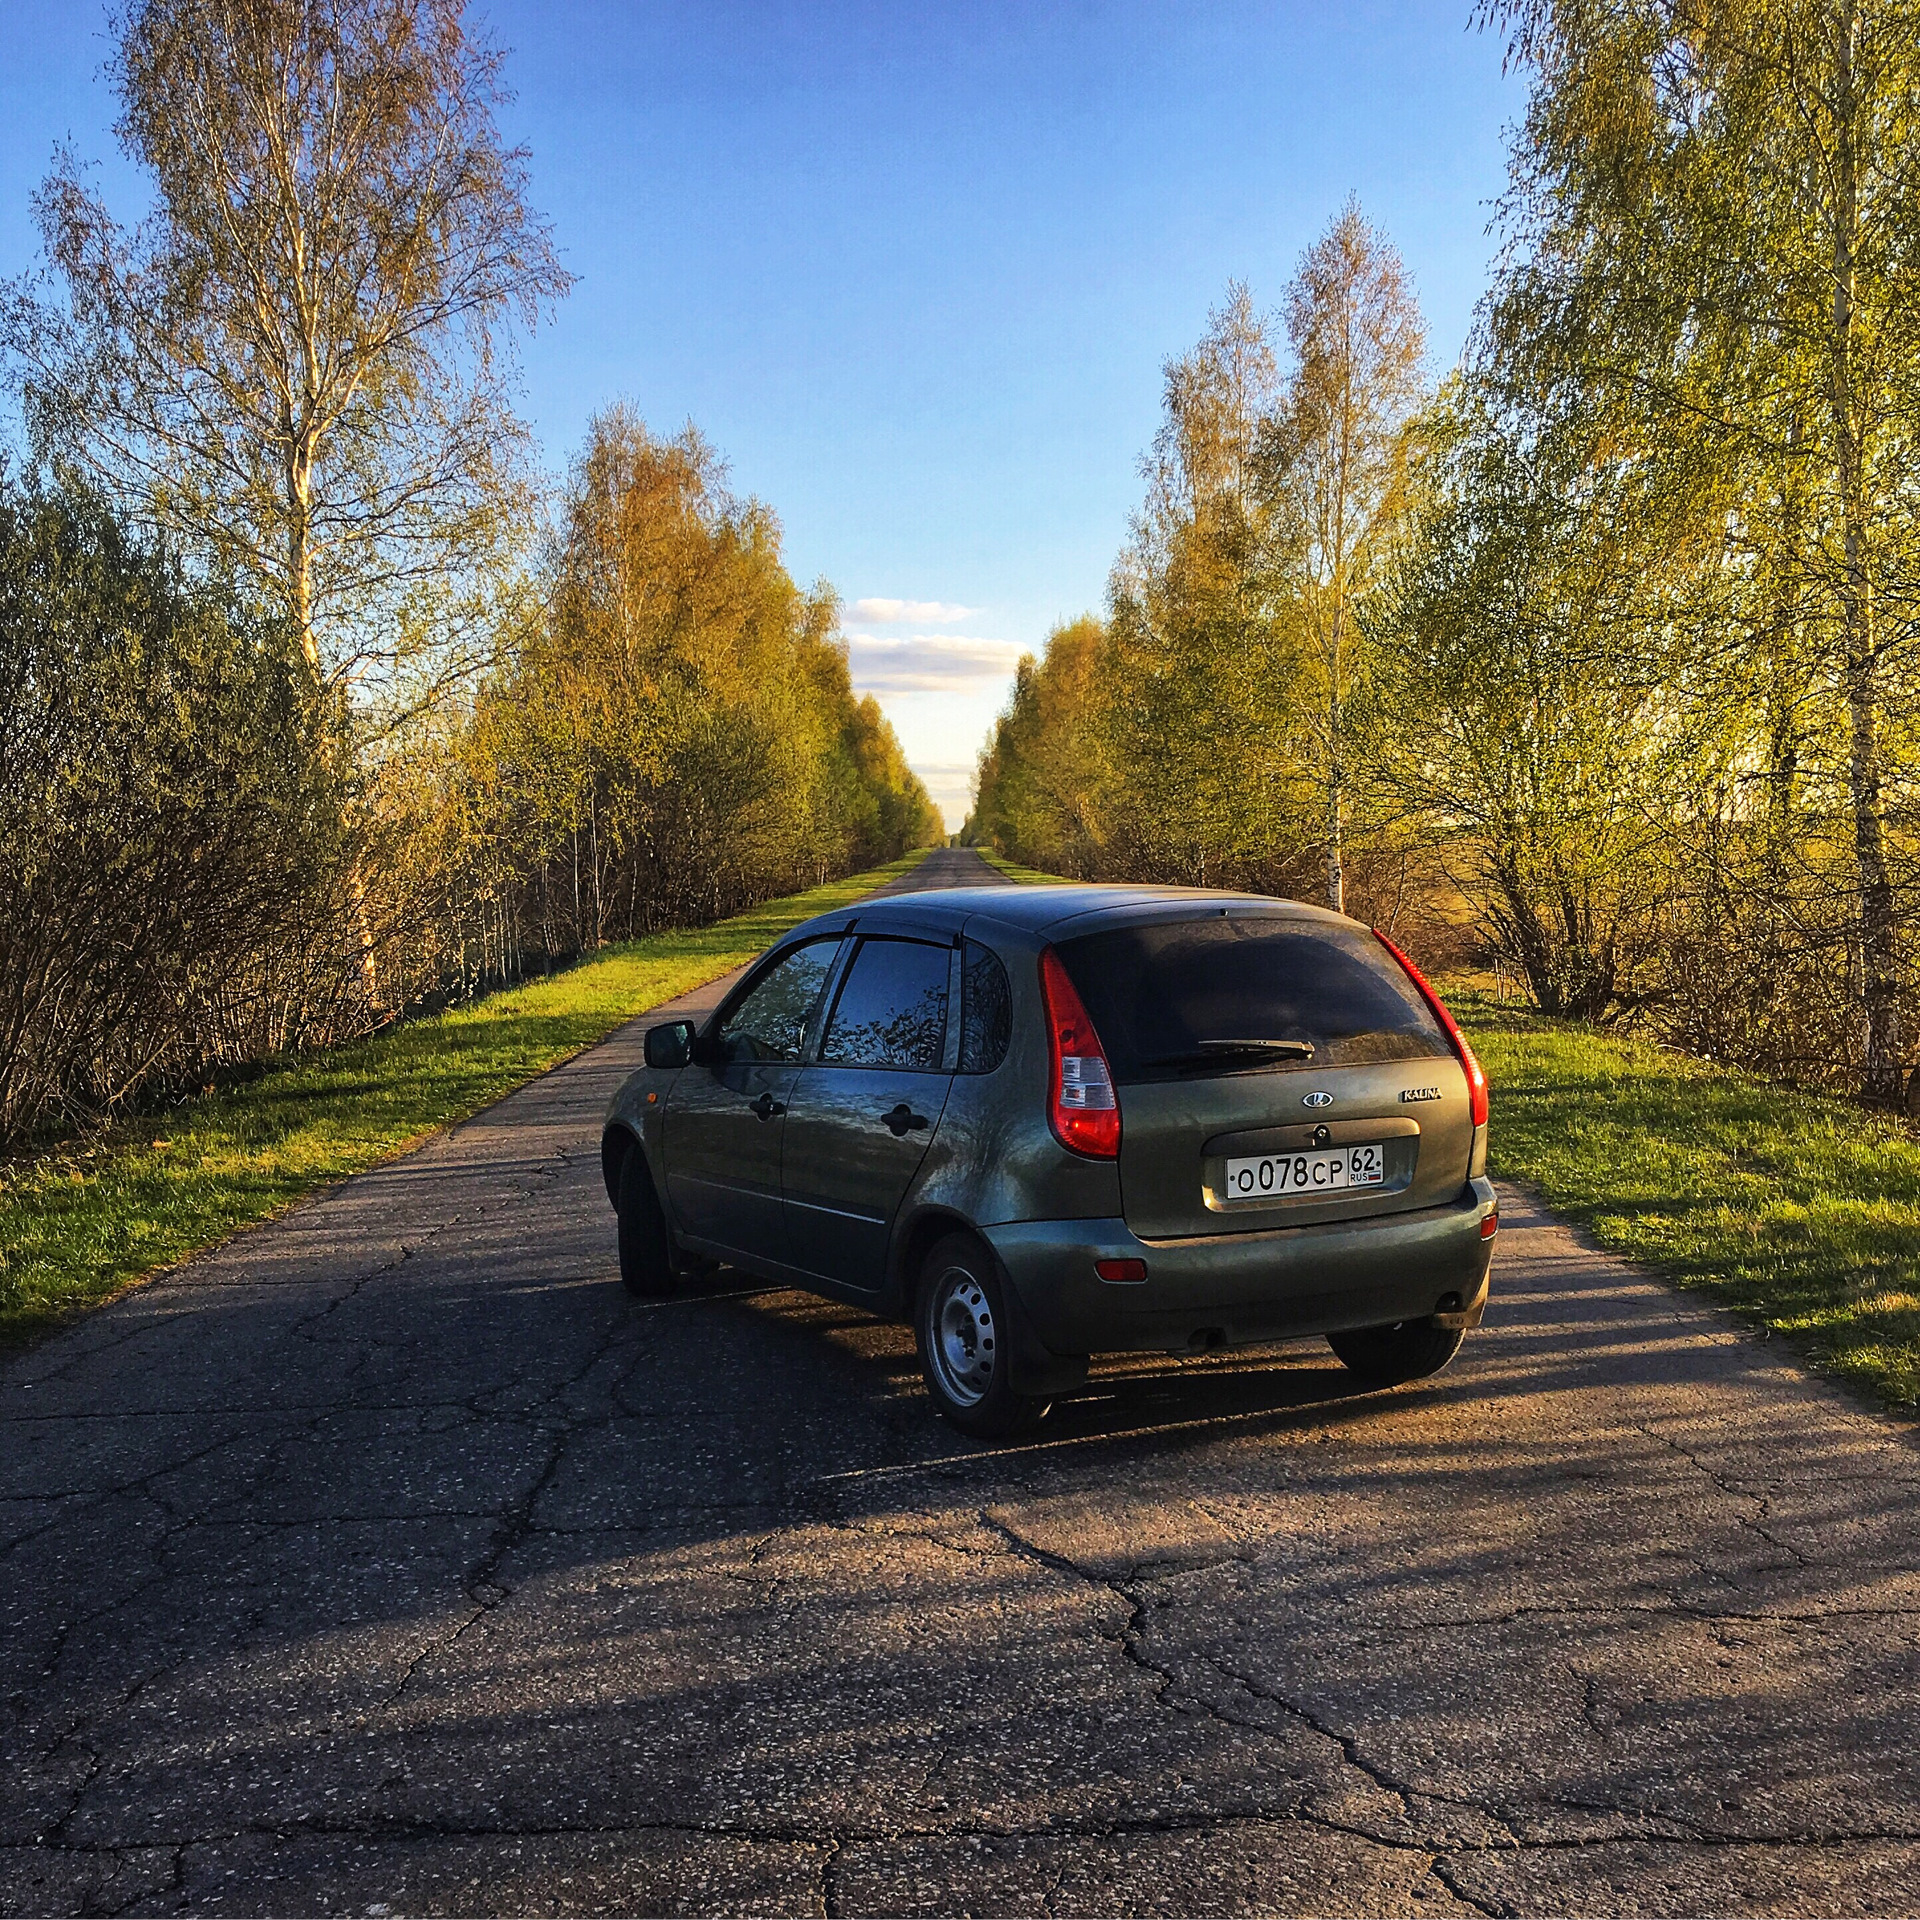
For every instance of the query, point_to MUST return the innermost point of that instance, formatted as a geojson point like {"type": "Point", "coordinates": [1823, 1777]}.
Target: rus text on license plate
{"type": "Point", "coordinates": [1330, 1170]}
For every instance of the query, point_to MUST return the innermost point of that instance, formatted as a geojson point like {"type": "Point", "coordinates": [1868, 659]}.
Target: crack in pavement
{"type": "Point", "coordinates": [1170, 1692]}
{"type": "Point", "coordinates": [1760, 1501]}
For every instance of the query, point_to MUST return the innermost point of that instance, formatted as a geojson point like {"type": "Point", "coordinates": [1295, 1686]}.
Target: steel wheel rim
{"type": "Point", "coordinates": [964, 1338]}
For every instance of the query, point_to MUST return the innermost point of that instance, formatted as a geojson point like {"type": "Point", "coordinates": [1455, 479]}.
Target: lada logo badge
{"type": "Point", "coordinates": [1316, 1099]}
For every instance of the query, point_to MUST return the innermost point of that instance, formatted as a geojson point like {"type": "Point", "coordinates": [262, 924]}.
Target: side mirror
{"type": "Point", "coordinates": [671, 1045]}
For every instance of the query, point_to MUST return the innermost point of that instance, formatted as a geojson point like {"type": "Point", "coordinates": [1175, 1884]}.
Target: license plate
{"type": "Point", "coordinates": [1279, 1176]}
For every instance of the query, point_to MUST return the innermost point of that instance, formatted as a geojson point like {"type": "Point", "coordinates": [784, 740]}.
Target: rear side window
{"type": "Point", "coordinates": [892, 1009]}
{"type": "Point", "coordinates": [987, 1010]}
{"type": "Point", "coordinates": [1158, 994]}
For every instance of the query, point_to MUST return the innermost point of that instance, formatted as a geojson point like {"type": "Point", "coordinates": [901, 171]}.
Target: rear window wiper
{"type": "Point", "coordinates": [1205, 1052]}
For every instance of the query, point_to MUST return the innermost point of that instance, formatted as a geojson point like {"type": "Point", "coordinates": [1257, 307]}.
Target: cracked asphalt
{"type": "Point", "coordinates": [391, 1559]}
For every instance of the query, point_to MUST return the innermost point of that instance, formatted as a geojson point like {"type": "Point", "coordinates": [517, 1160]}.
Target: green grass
{"type": "Point", "coordinates": [1798, 1210]}
{"type": "Point", "coordinates": [79, 1223]}
{"type": "Point", "coordinates": [1032, 875]}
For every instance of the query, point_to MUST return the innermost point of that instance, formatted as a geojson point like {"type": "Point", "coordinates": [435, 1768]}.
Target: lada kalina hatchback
{"type": "Point", "coordinates": [1046, 1122]}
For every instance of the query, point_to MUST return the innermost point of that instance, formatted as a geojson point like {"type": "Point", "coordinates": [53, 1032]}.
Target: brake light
{"type": "Point", "coordinates": [1476, 1080]}
{"type": "Point", "coordinates": [1081, 1106]}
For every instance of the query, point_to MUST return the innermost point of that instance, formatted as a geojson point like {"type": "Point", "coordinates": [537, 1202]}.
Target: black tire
{"type": "Point", "coordinates": [646, 1253]}
{"type": "Point", "coordinates": [960, 1327]}
{"type": "Point", "coordinates": [1391, 1356]}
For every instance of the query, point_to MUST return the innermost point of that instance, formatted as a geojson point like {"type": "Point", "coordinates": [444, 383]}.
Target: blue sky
{"type": "Point", "coordinates": [914, 268]}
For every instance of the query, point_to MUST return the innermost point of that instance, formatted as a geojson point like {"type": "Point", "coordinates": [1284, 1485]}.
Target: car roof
{"type": "Point", "coordinates": [1055, 911]}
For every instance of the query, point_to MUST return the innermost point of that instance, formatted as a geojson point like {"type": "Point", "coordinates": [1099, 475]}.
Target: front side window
{"type": "Point", "coordinates": [770, 1024]}
{"type": "Point", "coordinates": [892, 1009]}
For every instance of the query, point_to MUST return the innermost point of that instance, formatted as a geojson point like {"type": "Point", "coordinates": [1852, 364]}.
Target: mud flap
{"type": "Point", "coordinates": [1035, 1369]}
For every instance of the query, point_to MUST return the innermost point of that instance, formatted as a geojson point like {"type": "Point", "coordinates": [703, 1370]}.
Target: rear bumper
{"type": "Point", "coordinates": [1234, 1288]}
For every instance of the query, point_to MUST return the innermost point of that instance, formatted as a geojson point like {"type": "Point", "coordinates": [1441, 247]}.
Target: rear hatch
{"type": "Point", "coordinates": [1274, 1067]}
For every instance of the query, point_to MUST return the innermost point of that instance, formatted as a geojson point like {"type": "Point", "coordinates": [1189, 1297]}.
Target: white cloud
{"type": "Point", "coordinates": [889, 613]}
{"type": "Point", "coordinates": [940, 690]}
{"type": "Point", "coordinates": [929, 662]}
{"type": "Point", "coordinates": [949, 786]}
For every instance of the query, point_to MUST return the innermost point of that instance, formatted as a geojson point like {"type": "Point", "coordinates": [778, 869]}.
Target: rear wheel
{"type": "Point", "coordinates": [646, 1252]}
{"type": "Point", "coordinates": [960, 1325]}
{"type": "Point", "coordinates": [1391, 1356]}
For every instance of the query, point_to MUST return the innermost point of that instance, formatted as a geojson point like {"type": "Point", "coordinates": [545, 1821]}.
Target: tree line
{"type": "Point", "coordinates": [319, 704]}
{"type": "Point", "coordinates": [1596, 657]}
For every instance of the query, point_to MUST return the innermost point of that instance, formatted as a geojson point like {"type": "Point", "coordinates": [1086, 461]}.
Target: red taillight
{"type": "Point", "coordinates": [1081, 1105]}
{"type": "Point", "coordinates": [1476, 1080]}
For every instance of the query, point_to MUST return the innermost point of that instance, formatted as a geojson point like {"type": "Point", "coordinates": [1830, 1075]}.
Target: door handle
{"type": "Point", "coordinates": [902, 1120]}
{"type": "Point", "coordinates": [767, 1107]}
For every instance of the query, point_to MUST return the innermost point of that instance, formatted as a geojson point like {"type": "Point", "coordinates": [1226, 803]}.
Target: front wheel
{"type": "Point", "coordinates": [1391, 1356]}
{"type": "Point", "coordinates": [960, 1326]}
{"type": "Point", "coordinates": [646, 1252]}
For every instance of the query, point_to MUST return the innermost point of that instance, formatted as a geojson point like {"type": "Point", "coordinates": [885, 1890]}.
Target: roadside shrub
{"type": "Point", "coordinates": [171, 850]}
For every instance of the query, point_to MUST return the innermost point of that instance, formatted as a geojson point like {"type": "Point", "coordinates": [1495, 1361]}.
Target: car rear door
{"type": "Point", "coordinates": [864, 1110]}
{"type": "Point", "coordinates": [726, 1116]}
{"type": "Point", "coordinates": [1373, 1116]}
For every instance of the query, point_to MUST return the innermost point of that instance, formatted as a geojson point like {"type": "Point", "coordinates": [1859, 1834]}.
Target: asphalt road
{"type": "Point", "coordinates": [391, 1559]}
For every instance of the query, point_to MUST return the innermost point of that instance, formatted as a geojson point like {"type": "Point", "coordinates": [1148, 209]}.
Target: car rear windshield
{"type": "Point", "coordinates": [1158, 994]}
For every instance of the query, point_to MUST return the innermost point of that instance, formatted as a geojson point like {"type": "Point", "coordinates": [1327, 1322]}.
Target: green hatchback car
{"type": "Point", "coordinates": [1041, 1123]}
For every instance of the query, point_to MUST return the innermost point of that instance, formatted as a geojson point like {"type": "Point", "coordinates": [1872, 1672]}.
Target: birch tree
{"type": "Point", "coordinates": [1197, 651]}
{"type": "Point", "coordinates": [1714, 231]}
{"type": "Point", "coordinates": [300, 363]}
{"type": "Point", "coordinates": [1338, 464]}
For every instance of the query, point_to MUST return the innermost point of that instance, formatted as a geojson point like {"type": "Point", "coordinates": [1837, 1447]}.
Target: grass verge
{"type": "Point", "coordinates": [1031, 875]}
{"type": "Point", "coordinates": [79, 1223]}
{"type": "Point", "coordinates": [1798, 1210]}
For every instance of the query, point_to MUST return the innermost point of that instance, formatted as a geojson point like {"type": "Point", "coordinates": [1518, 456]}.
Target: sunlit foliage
{"type": "Point", "coordinates": [1622, 681]}
{"type": "Point", "coordinates": [312, 720]}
